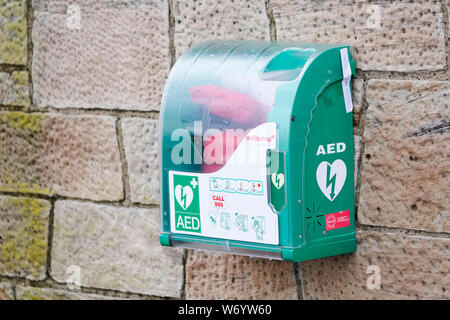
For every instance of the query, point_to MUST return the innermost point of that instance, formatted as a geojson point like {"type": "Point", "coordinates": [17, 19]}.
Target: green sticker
{"type": "Point", "coordinates": [187, 203]}
{"type": "Point", "coordinates": [276, 180]}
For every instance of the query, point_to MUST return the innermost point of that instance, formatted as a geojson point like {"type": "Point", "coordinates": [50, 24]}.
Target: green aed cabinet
{"type": "Point", "coordinates": [256, 150]}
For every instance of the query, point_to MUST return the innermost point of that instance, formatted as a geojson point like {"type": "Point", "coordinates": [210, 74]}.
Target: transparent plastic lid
{"type": "Point", "coordinates": [221, 90]}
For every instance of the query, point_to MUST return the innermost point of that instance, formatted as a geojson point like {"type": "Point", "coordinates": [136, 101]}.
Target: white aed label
{"type": "Point", "coordinates": [230, 203]}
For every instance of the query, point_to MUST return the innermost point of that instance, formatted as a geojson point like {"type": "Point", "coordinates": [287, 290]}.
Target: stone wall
{"type": "Point", "coordinates": [80, 89]}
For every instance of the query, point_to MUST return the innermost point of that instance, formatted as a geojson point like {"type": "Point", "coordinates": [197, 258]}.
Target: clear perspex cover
{"type": "Point", "coordinates": [215, 139]}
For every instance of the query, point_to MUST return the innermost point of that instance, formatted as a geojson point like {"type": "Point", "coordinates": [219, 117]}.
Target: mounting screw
{"type": "Point", "coordinates": [324, 232]}
{"type": "Point", "coordinates": [299, 200]}
{"type": "Point", "coordinates": [300, 236]}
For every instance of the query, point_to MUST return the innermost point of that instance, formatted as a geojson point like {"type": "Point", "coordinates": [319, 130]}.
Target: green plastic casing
{"type": "Point", "coordinates": [309, 111]}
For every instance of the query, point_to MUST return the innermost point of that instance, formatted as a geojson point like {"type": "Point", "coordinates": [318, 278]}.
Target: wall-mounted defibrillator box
{"type": "Point", "coordinates": [256, 145]}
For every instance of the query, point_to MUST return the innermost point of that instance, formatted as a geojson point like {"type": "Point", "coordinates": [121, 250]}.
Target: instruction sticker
{"type": "Point", "coordinates": [230, 203]}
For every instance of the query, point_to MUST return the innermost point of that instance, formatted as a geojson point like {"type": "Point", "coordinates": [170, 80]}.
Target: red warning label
{"type": "Point", "coordinates": [337, 220]}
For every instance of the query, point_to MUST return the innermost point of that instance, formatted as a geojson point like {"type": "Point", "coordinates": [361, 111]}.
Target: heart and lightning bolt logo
{"type": "Point", "coordinates": [278, 180]}
{"type": "Point", "coordinates": [184, 196]}
{"type": "Point", "coordinates": [331, 178]}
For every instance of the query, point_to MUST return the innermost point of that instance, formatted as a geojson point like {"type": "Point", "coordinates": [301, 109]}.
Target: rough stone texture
{"type": "Point", "coordinates": [222, 276]}
{"type": "Point", "coordinates": [410, 267]}
{"type": "Point", "coordinates": [13, 32]}
{"type": "Point", "coordinates": [6, 291]}
{"type": "Point", "coordinates": [74, 156]}
{"type": "Point", "coordinates": [409, 36]}
{"type": "Point", "coordinates": [140, 137]}
{"type": "Point", "coordinates": [14, 88]}
{"type": "Point", "coordinates": [115, 56]}
{"type": "Point", "coordinates": [197, 21]}
{"type": "Point", "coordinates": [115, 248]}
{"type": "Point", "coordinates": [33, 293]}
{"type": "Point", "coordinates": [23, 237]}
{"type": "Point", "coordinates": [358, 92]}
{"type": "Point", "coordinates": [405, 166]}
